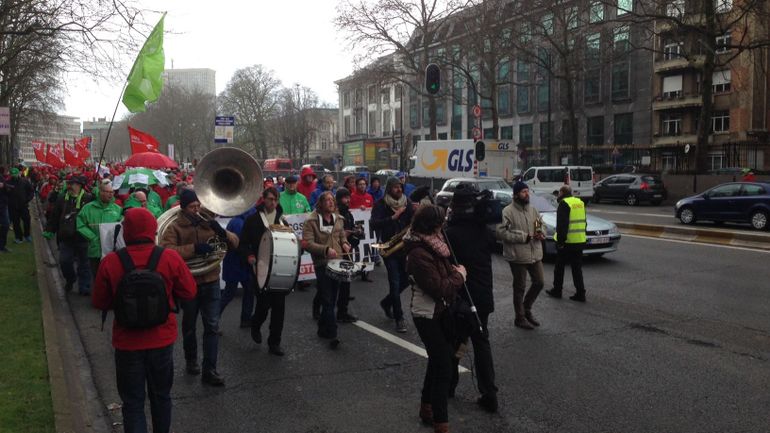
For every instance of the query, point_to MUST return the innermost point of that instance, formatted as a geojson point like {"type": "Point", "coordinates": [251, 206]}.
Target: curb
{"type": "Point", "coordinates": [754, 240]}
{"type": "Point", "coordinates": [77, 406]}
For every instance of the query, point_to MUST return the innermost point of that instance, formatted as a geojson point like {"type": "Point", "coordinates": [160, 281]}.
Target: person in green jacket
{"type": "Point", "coordinates": [139, 198]}
{"type": "Point", "coordinates": [103, 210]}
{"type": "Point", "coordinates": [174, 199]}
{"type": "Point", "coordinates": [291, 201]}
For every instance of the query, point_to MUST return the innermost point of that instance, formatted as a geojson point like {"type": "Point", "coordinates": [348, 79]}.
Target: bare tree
{"type": "Point", "coordinates": [295, 120]}
{"type": "Point", "coordinates": [251, 96]}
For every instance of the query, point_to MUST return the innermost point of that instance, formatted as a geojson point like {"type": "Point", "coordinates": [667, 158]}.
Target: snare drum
{"type": "Point", "coordinates": [278, 263]}
{"type": "Point", "coordinates": [342, 270]}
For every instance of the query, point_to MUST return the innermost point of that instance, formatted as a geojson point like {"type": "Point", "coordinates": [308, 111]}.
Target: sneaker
{"type": "Point", "coordinates": [347, 318]}
{"type": "Point", "coordinates": [554, 293]}
{"type": "Point", "coordinates": [523, 323]}
{"type": "Point", "coordinates": [18, 241]}
{"type": "Point", "coordinates": [256, 335]}
{"type": "Point", "coordinates": [211, 377]}
{"type": "Point", "coordinates": [334, 344]}
{"type": "Point", "coordinates": [401, 326]}
{"type": "Point", "coordinates": [386, 308]}
{"type": "Point", "coordinates": [276, 350]}
{"type": "Point", "coordinates": [578, 297]}
{"type": "Point", "coordinates": [531, 319]}
{"type": "Point", "coordinates": [192, 367]}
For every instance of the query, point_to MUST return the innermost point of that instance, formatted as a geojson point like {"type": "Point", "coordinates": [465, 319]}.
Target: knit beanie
{"type": "Point", "coordinates": [519, 186]}
{"type": "Point", "coordinates": [186, 197]}
{"type": "Point", "coordinates": [390, 182]}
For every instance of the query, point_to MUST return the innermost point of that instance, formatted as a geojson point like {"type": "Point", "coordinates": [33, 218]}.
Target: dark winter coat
{"type": "Point", "coordinates": [21, 193]}
{"type": "Point", "coordinates": [436, 282]}
{"type": "Point", "coordinates": [384, 225]}
{"type": "Point", "coordinates": [67, 207]}
{"type": "Point", "coordinates": [233, 268]}
{"type": "Point", "coordinates": [253, 229]}
{"type": "Point", "coordinates": [471, 241]}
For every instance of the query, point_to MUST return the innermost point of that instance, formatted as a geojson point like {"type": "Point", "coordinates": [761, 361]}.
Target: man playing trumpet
{"type": "Point", "coordinates": [189, 235]}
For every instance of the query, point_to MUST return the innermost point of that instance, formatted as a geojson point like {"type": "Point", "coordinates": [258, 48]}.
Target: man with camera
{"type": "Point", "coordinates": [522, 234]}
{"type": "Point", "coordinates": [188, 235]}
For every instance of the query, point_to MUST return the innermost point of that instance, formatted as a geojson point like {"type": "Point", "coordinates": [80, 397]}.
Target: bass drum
{"type": "Point", "coordinates": [278, 261]}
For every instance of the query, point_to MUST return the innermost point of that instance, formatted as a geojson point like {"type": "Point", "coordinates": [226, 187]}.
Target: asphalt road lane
{"type": "Point", "coordinates": [674, 338]}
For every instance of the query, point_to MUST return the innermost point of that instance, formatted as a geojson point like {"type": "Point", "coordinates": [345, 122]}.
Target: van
{"type": "Point", "coordinates": [277, 165]}
{"type": "Point", "coordinates": [548, 180]}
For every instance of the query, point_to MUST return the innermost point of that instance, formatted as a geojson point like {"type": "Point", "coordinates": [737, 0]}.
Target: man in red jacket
{"type": "Point", "coordinates": [307, 183]}
{"type": "Point", "coordinates": [360, 199]}
{"type": "Point", "coordinates": [144, 356]}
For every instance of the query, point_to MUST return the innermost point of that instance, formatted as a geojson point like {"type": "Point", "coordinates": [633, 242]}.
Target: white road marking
{"type": "Point", "coordinates": [753, 250]}
{"type": "Point", "coordinates": [397, 341]}
{"type": "Point", "coordinates": [630, 213]}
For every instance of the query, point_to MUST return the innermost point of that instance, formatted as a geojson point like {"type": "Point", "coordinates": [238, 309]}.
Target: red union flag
{"type": "Point", "coordinates": [71, 156]}
{"type": "Point", "coordinates": [55, 157]}
{"type": "Point", "coordinates": [39, 148]}
{"type": "Point", "coordinates": [82, 147]}
{"type": "Point", "coordinates": [142, 141]}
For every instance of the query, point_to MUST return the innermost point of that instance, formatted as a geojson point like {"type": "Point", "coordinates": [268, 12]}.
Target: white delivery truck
{"type": "Point", "coordinates": [445, 159]}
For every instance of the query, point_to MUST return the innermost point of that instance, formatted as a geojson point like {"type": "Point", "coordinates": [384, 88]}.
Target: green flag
{"type": "Point", "coordinates": [145, 82]}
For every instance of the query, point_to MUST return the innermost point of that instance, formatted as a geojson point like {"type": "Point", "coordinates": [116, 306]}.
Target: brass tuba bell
{"type": "Point", "coordinates": [228, 181]}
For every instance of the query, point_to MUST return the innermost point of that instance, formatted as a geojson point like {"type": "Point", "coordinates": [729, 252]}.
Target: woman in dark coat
{"type": "Point", "coordinates": [435, 284]}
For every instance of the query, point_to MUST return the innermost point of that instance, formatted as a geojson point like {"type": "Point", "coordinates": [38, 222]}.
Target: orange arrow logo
{"type": "Point", "coordinates": [440, 161]}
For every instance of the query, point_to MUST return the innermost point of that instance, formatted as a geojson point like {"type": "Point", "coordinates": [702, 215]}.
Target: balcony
{"type": "Point", "coordinates": [660, 140]}
{"type": "Point", "coordinates": [677, 100]}
{"type": "Point", "coordinates": [676, 63]}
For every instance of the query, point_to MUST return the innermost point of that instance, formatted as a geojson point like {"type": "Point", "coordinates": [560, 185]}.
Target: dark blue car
{"type": "Point", "coordinates": [742, 202]}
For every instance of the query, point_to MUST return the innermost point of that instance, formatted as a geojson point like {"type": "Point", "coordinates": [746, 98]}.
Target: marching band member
{"type": "Point", "coordinates": [189, 235]}
{"type": "Point", "coordinates": [268, 212]}
{"type": "Point", "coordinates": [323, 235]}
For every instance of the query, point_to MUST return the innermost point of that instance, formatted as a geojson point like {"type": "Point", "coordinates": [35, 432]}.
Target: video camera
{"type": "Point", "coordinates": [481, 206]}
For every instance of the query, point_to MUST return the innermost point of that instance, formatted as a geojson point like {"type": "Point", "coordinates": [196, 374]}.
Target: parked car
{"type": "Point", "coordinates": [497, 185]}
{"type": "Point", "coordinates": [631, 188]}
{"type": "Point", "coordinates": [602, 236]}
{"type": "Point", "coordinates": [742, 202]}
{"type": "Point", "coordinates": [548, 180]}
{"type": "Point", "coordinates": [355, 169]}
{"type": "Point", "coordinates": [387, 172]}
{"type": "Point", "coordinates": [277, 165]}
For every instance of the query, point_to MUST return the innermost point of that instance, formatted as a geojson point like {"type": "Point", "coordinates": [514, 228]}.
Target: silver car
{"type": "Point", "coordinates": [602, 236]}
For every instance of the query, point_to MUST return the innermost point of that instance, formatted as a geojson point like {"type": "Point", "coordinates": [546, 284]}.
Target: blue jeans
{"type": "Point", "coordinates": [247, 303]}
{"type": "Point", "coordinates": [154, 368]}
{"type": "Point", "coordinates": [398, 280]}
{"type": "Point", "coordinates": [207, 304]}
{"type": "Point", "coordinates": [328, 289]}
{"type": "Point", "coordinates": [69, 253]}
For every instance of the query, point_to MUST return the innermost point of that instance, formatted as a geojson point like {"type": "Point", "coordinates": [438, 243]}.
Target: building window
{"type": "Point", "coordinates": [716, 160]}
{"type": "Point", "coordinates": [386, 122]}
{"type": "Point", "coordinates": [621, 76]}
{"type": "Point", "coordinates": [324, 143]}
{"type": "Point", "coordinates": [595, 131]}
{"type": "Point", "coordinates": [386, 96]}
{"type": "Point", "coordinates": [596, 13]}
{"type": "Point", "coordinates": [675, 9]}
{"type": "Point", "coordinates": [720, 121]}
{"type": "Point", "coordinates": [672, 50]}
{"type": "Point", "coordinates": [522, 71]}
{"type": "Point", "coordinates": [592, 91]}
{"type": "Point", "coordinates": [526, 33]}
{"type": "Point", "coordinates": [723, 43]}
{"type": "Point", "coordinates": [542, 96]}
{"type": "Point", "coordinates": [372, 121]}
{"type": "Point", "coordinates": [506, 133]}
{"type": "Point", "coordinates": [347, 125]}
{"type": "Point", "coordinates": [372, 95]}
{"type": "Point", "coordinates": [671, 124]}
{"type": "Point", "coordinates": [489, 133]}
{"type": "Point", "coordinates": [547, 23]}
{"type": "Point", "coordinates": [504, 71]}
{"type": "Point", "coordinates": [525, 134]}
{"type": "Point", "coordinates": [571, 17]}
{"type": "Point", "coordinates": [346, 100]}
{"type": "Point", "coordinates": [722, 6]}
{"type": "Point", "coordinates": [504, 100]}
{"type": "Point", "coordinates": [398, 91]}
{"type": "Point", "coordinates": [426, 113]}
{"type": "Point", "coordinates": [566, 136]}
{"type": "Point", "coordinates": [720, 81]}
{"type": "Point", "coordinates": [593, 47]}
{"type": "Point", "coordinates": [625, 6]}
{"type": "Point", "coordinates": [624, 128]}
{"type": "Point", "coordinates": [545, 133]}
{"type": "Point", "coordinates": [440, 112]}
{"type": "Point", "coordinates": [621, 39]}
{"type": "Point", "coordinates": [672, 87]}
{"type": "Point", "coordinates": [397, 113]}
{"type": "Point", "coordinates": [522, 99]}
{"type": "Point", "coordinates": [359, 100]}
{"type": "Point", "coordinates": [414, 116]}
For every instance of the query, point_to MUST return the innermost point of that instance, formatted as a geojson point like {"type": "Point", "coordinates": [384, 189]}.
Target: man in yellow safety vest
{"type": "Point", "coordinates": [570, 240]}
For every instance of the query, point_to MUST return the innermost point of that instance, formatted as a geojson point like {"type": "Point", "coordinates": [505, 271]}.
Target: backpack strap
{"type": "Point", "coordinates": [157, 251]}
{"type": "Point", "coordinates": [125, 260]}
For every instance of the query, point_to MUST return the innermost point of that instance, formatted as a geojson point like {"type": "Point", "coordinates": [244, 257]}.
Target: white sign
{"type": "Point", "coordinates": [107, 238]}
{"type": "Point", "coordinates": [361, 254]}
{"type": "Point", "coordinates": [135, 178]}
{"type": "Point", "coordinates": [161, 176]}
{"type": "Point", "coordinates": [5, 121]}
{"type": "Point", "coordinates": [171, 151]}
{"type": "Point", "coordinates": [224, 129]}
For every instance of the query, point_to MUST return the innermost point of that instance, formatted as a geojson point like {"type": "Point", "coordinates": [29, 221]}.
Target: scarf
{"type": "Point", "coordinates": [328, 228]}
{"type": "Point", "coordinates": [393, 203]}
{"type": "Point", "coordinates": [436, 243]}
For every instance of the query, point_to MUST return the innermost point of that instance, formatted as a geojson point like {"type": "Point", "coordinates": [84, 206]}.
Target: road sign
{"type": "Point", "coordinates": [477, 133]}
{"type": "Point", "coordinates": [224, 129]}
{"type": "Point", "coordinates": [477, 111]}
{"type": "Point", "coordinates": [5, 121]}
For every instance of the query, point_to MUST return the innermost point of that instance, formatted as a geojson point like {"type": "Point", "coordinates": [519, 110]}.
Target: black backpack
{"type": "Point", "coordinates": [141, 300]}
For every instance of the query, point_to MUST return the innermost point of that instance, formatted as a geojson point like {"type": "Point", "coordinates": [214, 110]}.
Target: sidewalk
{"type": "Point", "coordinates": [755, 240]}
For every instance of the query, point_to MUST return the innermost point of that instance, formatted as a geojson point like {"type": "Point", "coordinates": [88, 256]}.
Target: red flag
{"type": "Point", "coordinates": [71, 157]}
{"type": "Point", "coordinates": [55, 157]}
{"type": "Point", "coordinates": [82, 147]}
{"type": "Point", "coordinates": [142, 141]}
{"type": "Point", "coordinates": [39, 148]}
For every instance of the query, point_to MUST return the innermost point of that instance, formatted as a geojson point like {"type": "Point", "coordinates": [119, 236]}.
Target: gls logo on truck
{"type": "Point", "coordinates": [457, 160]}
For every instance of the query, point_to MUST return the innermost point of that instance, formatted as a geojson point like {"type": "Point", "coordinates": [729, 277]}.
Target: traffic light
{"type": "Point", "coordinates": [480, 151]}
{"type": "Point", "coordinates": [433, 78]}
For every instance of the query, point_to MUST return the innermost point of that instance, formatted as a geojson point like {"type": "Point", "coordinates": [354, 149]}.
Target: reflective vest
{"type": "Point", "coordinates": [576, 233]}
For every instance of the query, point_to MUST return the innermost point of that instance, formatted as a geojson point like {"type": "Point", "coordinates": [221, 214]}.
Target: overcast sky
{"type": "Point", "coordinates": [295, 38]}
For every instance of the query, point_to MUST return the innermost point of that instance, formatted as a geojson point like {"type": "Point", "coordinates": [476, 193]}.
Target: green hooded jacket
{"type": "Point", "coordinates": [132, 202]}
{"type": "Point", "coordinates": [90, 217]}
{"type": "Point", "coordinates": [293, 203]}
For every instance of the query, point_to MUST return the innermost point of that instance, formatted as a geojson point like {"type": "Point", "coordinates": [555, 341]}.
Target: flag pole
{"type": "Point", "coordinates": [109, 128]}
